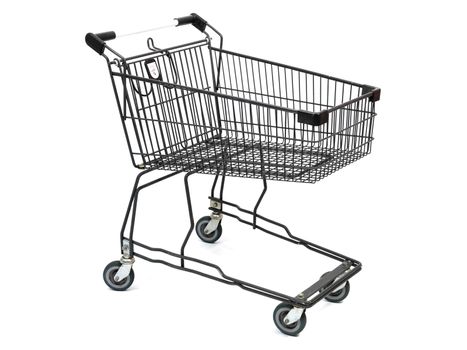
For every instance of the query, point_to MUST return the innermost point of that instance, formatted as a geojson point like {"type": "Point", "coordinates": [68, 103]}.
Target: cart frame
{"type": "Point", "coordinates": [330, 283]}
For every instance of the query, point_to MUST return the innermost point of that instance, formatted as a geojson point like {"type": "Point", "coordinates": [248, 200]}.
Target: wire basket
{"type": "Point", "coordinates": [197, 107]}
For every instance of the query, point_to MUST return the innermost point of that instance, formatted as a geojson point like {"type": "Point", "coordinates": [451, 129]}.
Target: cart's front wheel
{"type": "Point", "coordinates": [280, 312]}
{"type": "Point", "coordinates": [339, 295]}
{"type": "Point", "coordinates": [210, 237]}
{"type": "Point", "coordinates": [109, 277]}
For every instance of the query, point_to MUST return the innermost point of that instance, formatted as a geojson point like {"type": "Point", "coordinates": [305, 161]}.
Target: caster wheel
{"type": "Point", "coordinates": [340, 295]}
{"type": "Point", "coordinates": [290, 329]}
{"type": "Point", "coordinates": [211, 237]}
{"type": "Point", "coordinates": [109, 274]}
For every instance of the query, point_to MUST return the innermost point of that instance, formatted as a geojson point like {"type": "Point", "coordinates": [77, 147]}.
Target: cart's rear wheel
{"type": "Point", "coordinates": [109, 273]}
{"type": "Point", "coordinates": [207, 237]}
{"type": "Point", "coordinates": [290, 329]}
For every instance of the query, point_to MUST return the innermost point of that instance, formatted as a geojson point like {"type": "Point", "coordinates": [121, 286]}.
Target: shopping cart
{"type": "Point", "coordinates": [197, 108]}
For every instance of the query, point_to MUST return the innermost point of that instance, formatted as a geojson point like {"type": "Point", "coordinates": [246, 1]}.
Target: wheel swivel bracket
{"type": "Point", "coordinates": [216, 218]}
{"type": "Point", "coordinates": [294, 315]}
{"type": "Point", "coordinates": [127, 262]}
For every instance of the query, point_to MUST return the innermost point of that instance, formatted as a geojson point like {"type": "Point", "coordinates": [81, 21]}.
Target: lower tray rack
{"type": "Point", "coordinates": [248, 158]}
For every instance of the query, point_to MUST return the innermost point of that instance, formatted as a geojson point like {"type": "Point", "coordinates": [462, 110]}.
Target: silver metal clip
{"type": "Point", "coordinates": [293, 315]}
{"type": "Point", "coordinates": [127, 262]}
{"type": "Point", "coordinates": [213, 223]}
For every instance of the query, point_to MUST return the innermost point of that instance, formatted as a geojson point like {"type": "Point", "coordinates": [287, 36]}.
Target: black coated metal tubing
{"type": "Point", "coordinates": [291, 238]}
{"type": "Point", "coordinates": [225, 278]}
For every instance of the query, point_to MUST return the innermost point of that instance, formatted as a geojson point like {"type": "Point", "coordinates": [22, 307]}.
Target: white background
{"type": "Point", "coordinates": [66, 179]}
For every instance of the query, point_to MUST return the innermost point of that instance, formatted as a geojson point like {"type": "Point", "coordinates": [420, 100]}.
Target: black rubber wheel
{"type": "Point", "coordinates": [109, 274]}
{"type": "Point", "coordinates": [290, 329]}
{"type": "Point", "coordinates": [340, 295]}
{"type": "Point", "coordinates": [211, 237]}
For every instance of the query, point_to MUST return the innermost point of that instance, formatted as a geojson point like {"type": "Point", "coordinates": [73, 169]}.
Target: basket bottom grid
{"type": "Point", "coordinates": [250, 158]}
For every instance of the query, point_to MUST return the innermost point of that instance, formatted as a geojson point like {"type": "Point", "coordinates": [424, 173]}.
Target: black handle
{"type": "Point", "coordinates": [97, 41]}
{"type": "Point", "coordinates": [107, 36]}
{"type": "Point", "coordinates": [193, 19]}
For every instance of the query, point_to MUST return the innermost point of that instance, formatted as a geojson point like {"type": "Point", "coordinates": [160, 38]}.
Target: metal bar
{"type": "Point", "coordinates": [120, 111]}
{"type": "Point", "coordinates": [309, 245]}
{"type": "Point", "coordinates": [210, 93]}
{"type": "Point", "coordinates": [138, 125]}
{"type": "Point", "coordinates": [172, 49]}
{"type": "Point", "coordinates": [344, 278]}
{"type": "Point", "coordinates": [265, 184]}
{"type": "Point", "coordinates": [238, 99]}
{"type": "Point", "coordinates": [183, 268]}
{"type": "Point", "coordinates": [278, 97]}
{"type": "Point", "coordinates": [127, 105]}
{"type": "Point", "coordinates": [221, 43]}
{"type": "Point", "coordinates": [229, 280]}
{"type": "Point", "coordinates": [132, 203]}
{"type": "Point", "coordinates": [190, 214]}
{"type": "Point", "coordinates": [148, 30]}
{"type": "Point", "coordinates": [325, 280]}
{"type": "Point", "coordinates": [259, 227]}
{"type": "Point", "coordinates": [288, 67]}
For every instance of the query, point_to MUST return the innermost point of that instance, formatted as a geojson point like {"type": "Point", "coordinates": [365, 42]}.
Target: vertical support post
{"type": "Point", "coordinates": [216, 83]}
{"type": "Point", "coordinates": [190, 214]}
{"type": "Point", "coordinates": [131, 206]}
{"type": "Point", "coordinates": [263, 173]}
{"type": "Point", "coordinates": [265, 188]}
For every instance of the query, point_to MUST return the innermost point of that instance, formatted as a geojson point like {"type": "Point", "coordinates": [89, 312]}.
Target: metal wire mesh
{"type": "Point", "coordinates": [175, 119]}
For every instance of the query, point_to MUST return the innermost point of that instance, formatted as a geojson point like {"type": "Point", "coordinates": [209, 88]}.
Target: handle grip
{"type": "Point", "coordinates": [97, 41]}
{"type": "Point", "coordinates": [197, 22]}
{"type": "Point", "coordinates": [106, 36]}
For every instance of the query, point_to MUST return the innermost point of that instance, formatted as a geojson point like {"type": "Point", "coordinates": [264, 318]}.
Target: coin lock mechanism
{"type": "Point", "coordinates": [153, 69]}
